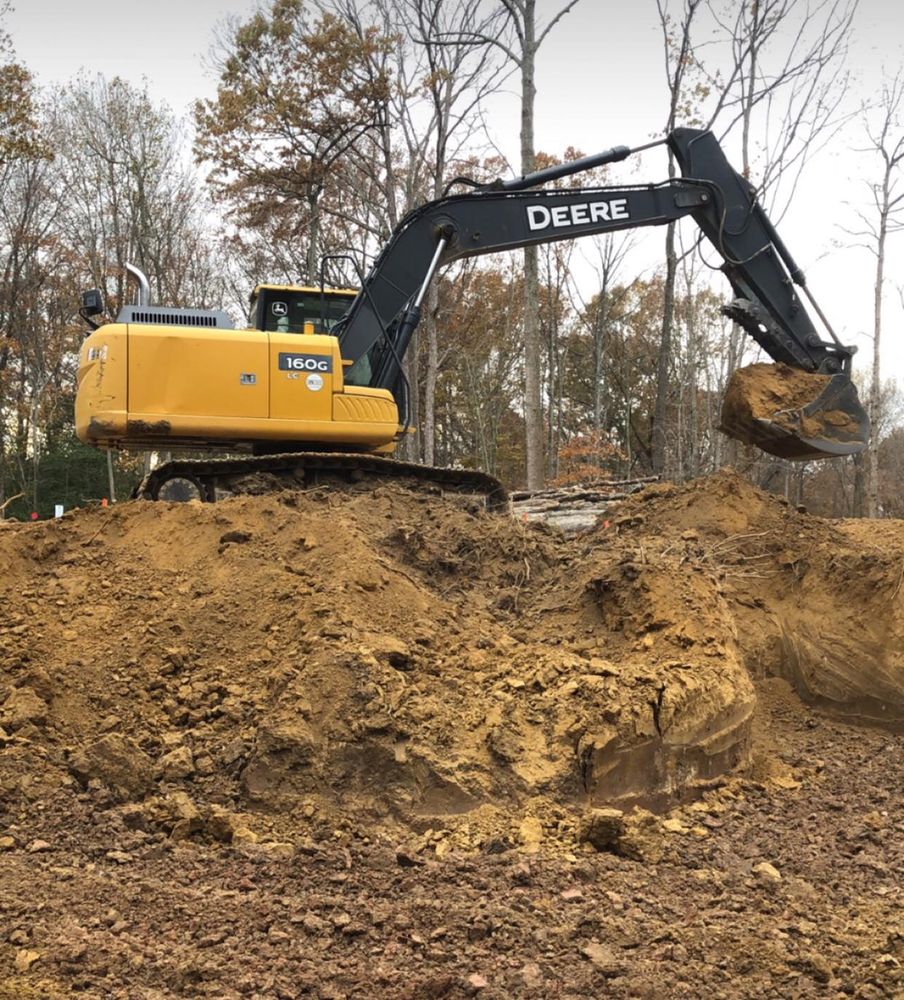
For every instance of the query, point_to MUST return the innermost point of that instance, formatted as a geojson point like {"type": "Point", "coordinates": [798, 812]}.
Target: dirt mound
{"type": "Point", "coordinates": [817, 601]}
{"type": "Point", "coordinates": [347, 745]}
{"type": "Point", "coordinates": [385, 657]}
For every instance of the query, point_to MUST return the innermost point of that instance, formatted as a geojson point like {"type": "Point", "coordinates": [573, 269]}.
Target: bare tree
{"type": "Point", "coordinates": [611, 251]}
{"type": "Point", "coordinates": [130, 194]}
{"type": "Point", "coordinates": [783, 85]}
{"type": "Point", "coordinates": [522, 16]}
{"type": "Point", "coordinates": [35, 342]}
{"type": "Point", "coordinates": [521, 51]}
{"type": "Point", "coordinates": [27, 206]}
{"type": "Point", "coordinates": [884, 125]}
{"type": "Point", "coordinates": [678, 52]}
{"type": "Point", "coordinates": [458, 82]}
{"type": "Point", "coordinates": [555, 307]}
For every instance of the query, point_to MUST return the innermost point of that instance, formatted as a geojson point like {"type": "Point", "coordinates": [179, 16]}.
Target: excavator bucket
{"type": "Point", "coordinates": [794, 414]}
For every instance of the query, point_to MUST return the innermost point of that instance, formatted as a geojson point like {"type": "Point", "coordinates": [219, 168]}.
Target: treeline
{"type": "Point", "coordinates": [330, 122]}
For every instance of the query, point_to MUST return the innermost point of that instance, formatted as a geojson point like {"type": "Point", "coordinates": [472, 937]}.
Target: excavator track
{"type": "Point", "coordinates": [213, 477]}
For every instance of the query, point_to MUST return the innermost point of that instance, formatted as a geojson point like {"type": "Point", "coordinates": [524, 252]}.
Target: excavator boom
{"type": "Point", "coordinates": [509, 215]}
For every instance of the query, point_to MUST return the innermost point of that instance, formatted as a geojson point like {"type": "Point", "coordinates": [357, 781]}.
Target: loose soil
{"type": "Point", "coordinates": [369, 743]}
{"type": "Point", "coordinates": [778, 393]}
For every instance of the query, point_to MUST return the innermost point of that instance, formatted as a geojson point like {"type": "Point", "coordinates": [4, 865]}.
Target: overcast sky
{"type": "Point", "coordinates": [600, 83]}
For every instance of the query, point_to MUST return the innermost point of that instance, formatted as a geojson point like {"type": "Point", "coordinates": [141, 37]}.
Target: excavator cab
{"type": "Point", "coordinates": [298, 309]}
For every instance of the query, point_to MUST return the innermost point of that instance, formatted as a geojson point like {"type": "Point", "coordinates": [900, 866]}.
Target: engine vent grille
{"type": "Point", "coordinates": [165, 316]}
{"type": "Point", "coordinates": [157, 317]}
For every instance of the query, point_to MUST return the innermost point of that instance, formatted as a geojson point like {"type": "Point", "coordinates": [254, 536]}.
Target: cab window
{"type": "Point", "coordinates": [287, 311]}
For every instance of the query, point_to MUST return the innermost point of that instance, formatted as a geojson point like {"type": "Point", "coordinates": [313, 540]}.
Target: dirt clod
{"type": "Point", "coordinates": [176, 764]}
{"type": "Point", "coordinates": [25, 959]}
{"type": "Point", "coordinates": [767, 872]}
{"type": "Point", "coordinates": [605, 958]}
{"type": "Point", "coordinates": [602, 828]}
{"type": "Point", "coordinates": [23, 705]}
{"type": "Point", "coordinates": [117, 762]}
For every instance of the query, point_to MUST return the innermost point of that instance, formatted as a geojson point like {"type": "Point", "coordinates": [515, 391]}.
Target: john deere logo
{"type": "Point", "coordinates": [279, 309]}
{"type": "Point", "coordinates": [580, 214]}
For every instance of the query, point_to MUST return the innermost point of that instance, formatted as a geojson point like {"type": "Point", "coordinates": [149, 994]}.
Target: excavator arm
{"type": "Point", "coordinates": [507, 215]}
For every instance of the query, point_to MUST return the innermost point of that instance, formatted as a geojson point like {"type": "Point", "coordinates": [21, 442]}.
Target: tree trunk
{"type": "Point", "coordinates": [665, 351]}
{"type": "Point", "coordinates": [533, 400]}
{"type": "Point", "coordinates": [694, 444]}
{"type": "Point", "coordinates": [313, 254]}
{"type": "Point", "coordinates": [443, 108]}
{"type": "Point", "coordinates": [859, 498]}
{"type": "Point", "coordinates": [663, 367]}
{"type": "Point", "coordinates": [872, 462]}
{"type": "Point", "coordinates": [600, 321]}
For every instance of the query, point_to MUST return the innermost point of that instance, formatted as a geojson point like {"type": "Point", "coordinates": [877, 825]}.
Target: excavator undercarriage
{"type": "Point", "coordinates": [212, 479]}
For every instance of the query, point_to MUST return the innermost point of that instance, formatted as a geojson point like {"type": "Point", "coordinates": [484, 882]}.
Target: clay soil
{"type": "Point", "coordinates": [776, 392]}
{"type": "Point", "coordinates": [373, 744]}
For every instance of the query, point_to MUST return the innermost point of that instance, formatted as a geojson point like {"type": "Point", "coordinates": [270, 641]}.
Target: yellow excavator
{"type": "Point", "coordinates": [314, 387]}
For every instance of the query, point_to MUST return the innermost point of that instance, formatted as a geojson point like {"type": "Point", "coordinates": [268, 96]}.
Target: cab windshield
{"type": "Point", "coordinates": [288, 310]}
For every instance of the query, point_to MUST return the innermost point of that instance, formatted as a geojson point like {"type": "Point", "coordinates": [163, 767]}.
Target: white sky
{"type": "Point", "coordinates": [600, 83]}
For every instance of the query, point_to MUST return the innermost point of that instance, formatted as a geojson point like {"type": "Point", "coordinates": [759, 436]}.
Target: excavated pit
{"type": "Point", "coordinates": [394, 657]}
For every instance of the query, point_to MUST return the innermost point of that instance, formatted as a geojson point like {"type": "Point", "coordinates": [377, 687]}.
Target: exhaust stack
{"type": "Point", "coordinates": [144, 286]}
